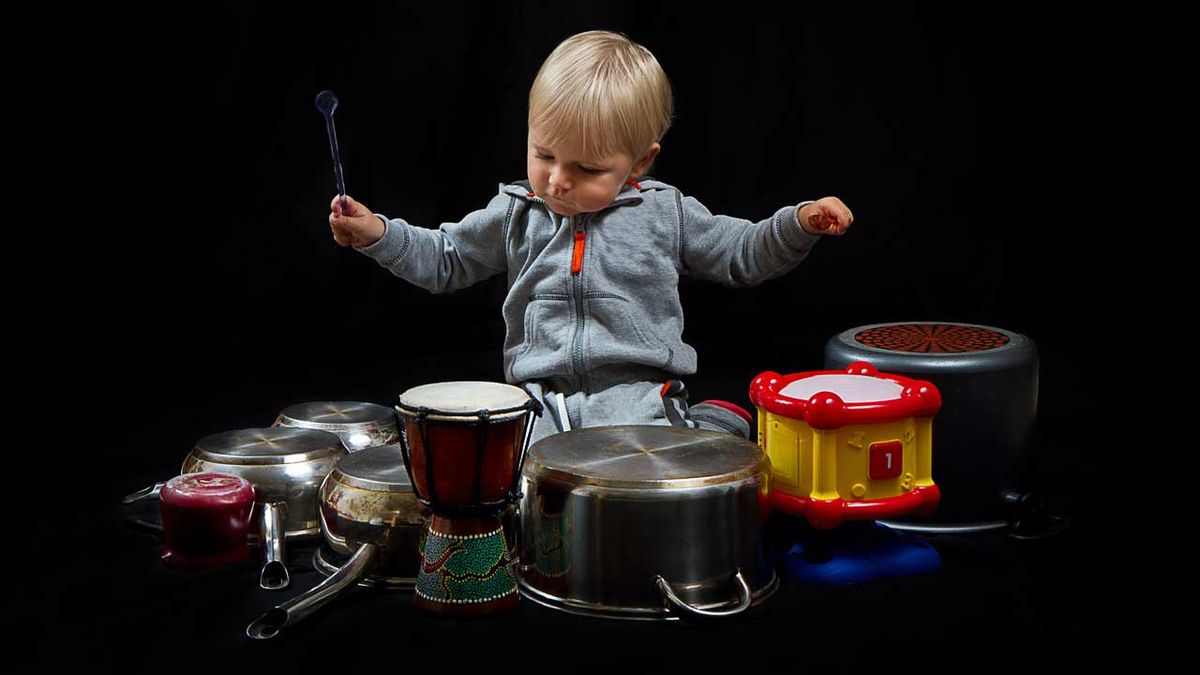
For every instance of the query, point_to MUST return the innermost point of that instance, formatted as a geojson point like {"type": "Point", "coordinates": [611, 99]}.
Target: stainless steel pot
{"type": "Point", "coordinates": [286, 467]}
{"type": "Point", "coordinates": [359, 425]}
{"type": "Point", "coordinates": [368, 509]}
{"type": "Point", "coordinates": [644, 522]}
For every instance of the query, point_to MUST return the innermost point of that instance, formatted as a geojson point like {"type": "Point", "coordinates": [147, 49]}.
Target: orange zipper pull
{"type": "Point", "coordinates": [577, 256]}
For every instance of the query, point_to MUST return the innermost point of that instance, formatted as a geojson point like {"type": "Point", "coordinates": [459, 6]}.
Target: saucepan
{"type": "Point", "coordinates": [286, 467]}
{"type": "Point", "coordinates": [368, 510]}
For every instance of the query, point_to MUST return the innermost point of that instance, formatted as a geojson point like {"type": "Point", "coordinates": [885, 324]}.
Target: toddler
{"type": "Point", "coordinates": [593, 248]}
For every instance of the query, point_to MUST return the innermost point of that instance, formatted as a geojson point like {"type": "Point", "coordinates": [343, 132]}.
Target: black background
{"type": "Point", "coordinates": [214, 295]}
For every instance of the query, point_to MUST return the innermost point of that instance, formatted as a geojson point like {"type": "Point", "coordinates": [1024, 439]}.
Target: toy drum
{"type": "Point", "coordinates": [463, 445]}
{"type": "Point", "coordinates": [851, 444]}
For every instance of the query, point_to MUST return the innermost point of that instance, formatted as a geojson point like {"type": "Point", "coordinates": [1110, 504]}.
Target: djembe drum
{"type": "Point", "coordinates": [464, 444]}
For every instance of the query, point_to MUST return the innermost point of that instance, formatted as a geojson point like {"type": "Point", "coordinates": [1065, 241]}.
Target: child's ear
{"type": "Point", "coordinates": [644, 163]}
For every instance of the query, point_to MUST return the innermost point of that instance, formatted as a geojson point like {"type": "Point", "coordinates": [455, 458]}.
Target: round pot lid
{"type": "Point", "coordinates": [337, 415]}
{"type": "Point", "coordinates": [207, 490]}
{"type": "Point", "coordinates": [648, 457]}
{"type": "Point", "coordinates": [275, 445]}
{"type": "Point", "coordinates": [380, 469]}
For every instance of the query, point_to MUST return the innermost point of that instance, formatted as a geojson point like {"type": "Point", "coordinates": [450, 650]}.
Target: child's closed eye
{"type": "Point", "coordinates": [584, 168]}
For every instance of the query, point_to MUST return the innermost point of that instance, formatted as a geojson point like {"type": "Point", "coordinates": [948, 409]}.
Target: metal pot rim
{"type": "Point", "coordinates": [332, 447]}
{"type": "Point", "coordinates": [541, 473]}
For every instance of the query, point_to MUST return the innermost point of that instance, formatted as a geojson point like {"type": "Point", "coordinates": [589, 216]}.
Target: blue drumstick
{"type": "Point", "coordinates": [327, 102]}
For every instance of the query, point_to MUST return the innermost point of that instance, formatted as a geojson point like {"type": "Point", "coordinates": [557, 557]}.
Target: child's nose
{"type": "Point", "coordinates": [559, 180]}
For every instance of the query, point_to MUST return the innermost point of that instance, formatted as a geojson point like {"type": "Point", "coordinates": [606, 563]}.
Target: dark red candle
{"type": "Point", "coordinates": [206, 517]}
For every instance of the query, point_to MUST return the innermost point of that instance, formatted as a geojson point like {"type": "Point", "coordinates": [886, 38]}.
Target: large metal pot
{"type": "Point", "coordinates": [644, 522]}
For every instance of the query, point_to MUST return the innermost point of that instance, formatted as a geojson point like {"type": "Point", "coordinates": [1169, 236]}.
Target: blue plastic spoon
{"type": "Point", "coordinates": [327, 102]}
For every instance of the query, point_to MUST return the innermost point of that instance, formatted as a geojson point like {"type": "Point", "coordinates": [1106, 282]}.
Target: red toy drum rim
{"type": "Point", "coordinates": [825, 514]}
{"type": "Point", "coordinates": [827, 410]}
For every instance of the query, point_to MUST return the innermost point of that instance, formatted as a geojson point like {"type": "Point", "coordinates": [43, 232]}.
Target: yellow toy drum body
{"type": "Point", "coordinates": [851, 444]}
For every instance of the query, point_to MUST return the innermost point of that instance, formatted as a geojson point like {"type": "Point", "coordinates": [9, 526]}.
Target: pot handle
{"type": "Point", "coordinates": [328, 532]}
{"type": "Point", "coordinates": [143, 494]}
{"type": "Point", "coordinates": [281, 616]}
{"type": "Point", "coordinates": [673, 600]}
{"type": "Point", "coordinates": [274, 575]}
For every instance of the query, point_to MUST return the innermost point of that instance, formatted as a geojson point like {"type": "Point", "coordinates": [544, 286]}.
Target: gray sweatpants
{"type": "Point", "coordinates": [633, 396]}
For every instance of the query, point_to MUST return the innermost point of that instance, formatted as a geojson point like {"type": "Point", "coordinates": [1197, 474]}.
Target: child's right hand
{"type": "Point", "coordinates": [357, 226]}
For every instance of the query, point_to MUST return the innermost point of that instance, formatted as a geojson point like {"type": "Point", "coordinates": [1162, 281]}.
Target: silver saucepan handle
{"type": "Point", "coordinates": [274, 575]}
{"type": "Point", "coordinates": [143, 494]}
{"type": "Point", "coordinates": [270, 624]}
{"type": "Point", "coordinates": [743, 590]}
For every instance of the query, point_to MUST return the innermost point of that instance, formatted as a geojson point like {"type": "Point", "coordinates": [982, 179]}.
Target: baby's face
{"type": "Point", "coordinates": [572, 184]}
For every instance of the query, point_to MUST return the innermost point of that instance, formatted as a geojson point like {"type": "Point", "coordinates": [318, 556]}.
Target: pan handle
{"type": "Point", "coordinates": [270, 624]}
{"type": "Point", "coordinates": [673, 600]}
{"type": "Point", "coordinates": [143, 494]}
{"type": "Point", "coordinates": [274, 575]}
{"type": "Point", "coordinates": [336, 542]}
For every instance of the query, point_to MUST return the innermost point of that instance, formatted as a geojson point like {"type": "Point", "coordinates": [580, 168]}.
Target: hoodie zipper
{"type": "Point", "coordinates": [580, 236]}
{"type": "Point", "coordinates": [577, 254]}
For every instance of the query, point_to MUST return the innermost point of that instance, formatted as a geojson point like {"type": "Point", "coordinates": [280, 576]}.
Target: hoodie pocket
{"type": "Point", "coordinates": [617, 332]}
{"type": "Point", "coordinates": [547, 343]}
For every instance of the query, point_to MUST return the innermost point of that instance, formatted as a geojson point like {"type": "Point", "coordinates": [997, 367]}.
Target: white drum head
{"type": "Point", "coordinates": [851, 388]}
{"type": "Point", "coordinates": [466, 398]}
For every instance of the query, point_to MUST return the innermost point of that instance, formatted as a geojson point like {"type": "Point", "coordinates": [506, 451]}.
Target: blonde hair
{"type": "Point", "coordinates": [602, 93]}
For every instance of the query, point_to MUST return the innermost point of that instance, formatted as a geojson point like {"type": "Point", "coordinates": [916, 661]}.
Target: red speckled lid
{"type": "Point", "coordinates": [207, 490]}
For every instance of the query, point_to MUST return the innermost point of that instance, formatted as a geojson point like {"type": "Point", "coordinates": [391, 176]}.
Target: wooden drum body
{"type": "Point", "coordinates": [463, 444]}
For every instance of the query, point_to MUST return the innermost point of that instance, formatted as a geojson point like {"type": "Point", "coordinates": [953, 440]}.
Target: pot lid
{"type": "Point", "coordinates": [651, 457]}
{"type": "Point", "coordinates": [275, 445]}
{"type": "Point", "coordinates": [380, 469]}
{"type": "Point", "coordinates": [337, 415]}
{"type": "Point", "coordinates": [207, 490]}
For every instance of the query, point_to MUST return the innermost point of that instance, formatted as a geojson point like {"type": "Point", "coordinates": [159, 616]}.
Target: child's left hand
{"type": "Point", "coordinates": [825, 216]}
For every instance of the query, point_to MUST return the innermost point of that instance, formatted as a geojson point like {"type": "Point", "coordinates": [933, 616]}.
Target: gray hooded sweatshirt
{"type": "Point", "coordinates": [593, 299]}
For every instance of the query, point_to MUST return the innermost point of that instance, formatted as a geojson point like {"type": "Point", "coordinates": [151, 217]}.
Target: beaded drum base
{"type": "Point", "coordinates": [466, 569]}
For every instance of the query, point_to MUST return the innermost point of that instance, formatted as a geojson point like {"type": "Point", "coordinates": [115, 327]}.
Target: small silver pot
{"type": "Point", "coordinates": [286, 467]}
{"type": "Point", "coordinates": [368, 509]}
{"type": "Point", "coordinates": [644, 522]}
{"type": "Point", "coordinates": [359, 425]}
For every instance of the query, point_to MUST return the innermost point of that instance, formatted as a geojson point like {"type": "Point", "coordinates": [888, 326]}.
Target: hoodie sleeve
{"type": "Point", "coordinates": [452, 257]}
{"type": "Point", "coordinates": [737, 252]}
